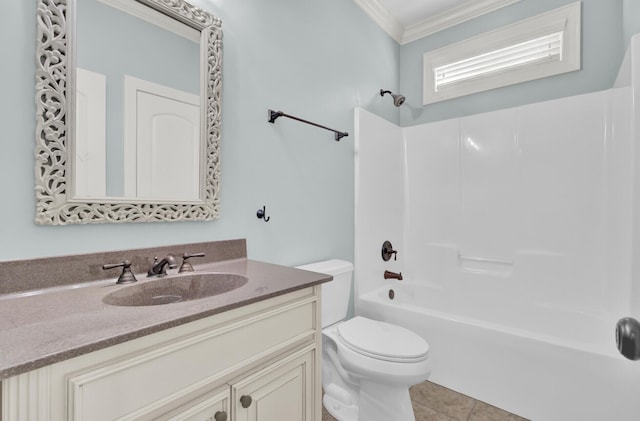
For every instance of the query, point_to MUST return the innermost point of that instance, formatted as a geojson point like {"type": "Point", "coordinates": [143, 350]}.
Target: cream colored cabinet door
{"type": "Point", "coordinates": [211, 407]}
{"type": "Point", "coordinates": [281, 391]}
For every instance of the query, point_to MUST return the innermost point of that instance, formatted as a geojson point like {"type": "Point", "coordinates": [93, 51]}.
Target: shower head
{"type": "Point", "coordinates": [398, 99]}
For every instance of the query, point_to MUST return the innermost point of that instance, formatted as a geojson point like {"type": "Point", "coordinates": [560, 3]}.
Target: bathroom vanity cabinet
{"type": "Point", "coordinates": [258, 362]}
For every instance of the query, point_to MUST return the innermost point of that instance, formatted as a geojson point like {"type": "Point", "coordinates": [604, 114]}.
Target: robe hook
{"type": "Point", "coordinates": [261, 214]}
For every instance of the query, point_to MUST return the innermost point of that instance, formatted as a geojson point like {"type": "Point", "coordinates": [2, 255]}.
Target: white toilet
{"type": "Point", "coordinates": [367, 365]}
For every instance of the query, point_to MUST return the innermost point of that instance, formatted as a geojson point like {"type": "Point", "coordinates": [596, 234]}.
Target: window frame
{"type": "Point", "coordinates": [566, 19]}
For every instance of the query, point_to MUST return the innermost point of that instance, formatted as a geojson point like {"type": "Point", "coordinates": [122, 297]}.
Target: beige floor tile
{"type": "Point", "coordinates": [326, 416]}
{"type": "Point", "coordinates": [443, 400]}
{"type": "Point", "coordinates": [424, 413]}
{"type": "Point", "coordinates": [485, 412]}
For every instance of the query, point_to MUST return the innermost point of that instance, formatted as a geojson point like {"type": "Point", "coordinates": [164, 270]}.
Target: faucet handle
{"type": "Point", "coordinates": [186, 265]}
{"type": "Point", "coordinates": [126, 277]}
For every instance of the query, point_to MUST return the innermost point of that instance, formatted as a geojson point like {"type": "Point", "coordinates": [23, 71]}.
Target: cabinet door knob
{"type": "Point", "coordinates": [220, 416]}
{"type": "Point", "coordinates": [245, 401]}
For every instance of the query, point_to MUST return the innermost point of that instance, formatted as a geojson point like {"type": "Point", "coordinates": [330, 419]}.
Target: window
{"type": "Point", "coordinates": [541, 46]}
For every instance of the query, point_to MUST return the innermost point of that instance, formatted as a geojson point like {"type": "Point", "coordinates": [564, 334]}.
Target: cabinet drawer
{"type": "Point", "coordinates": [140, 384]}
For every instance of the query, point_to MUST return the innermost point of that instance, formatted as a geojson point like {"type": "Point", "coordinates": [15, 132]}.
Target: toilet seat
{"type": "Point", "coordinates": [382, 341]}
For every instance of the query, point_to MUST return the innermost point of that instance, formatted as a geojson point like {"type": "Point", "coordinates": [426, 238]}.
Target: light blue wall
{"type": "Point", "coordinates": [315, 59]}
{"type": "Point", "coordinates": [602, 52]}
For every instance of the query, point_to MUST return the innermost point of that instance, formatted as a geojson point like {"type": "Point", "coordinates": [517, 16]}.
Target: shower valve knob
{"type": "Point", "coordinates": [628, 338]}
{"type": "Point", "coordinates": [387, 251]}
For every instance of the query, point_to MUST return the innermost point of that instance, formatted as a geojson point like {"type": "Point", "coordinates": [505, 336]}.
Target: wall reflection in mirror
{"type": "Point", "coordinates": [137, 125]}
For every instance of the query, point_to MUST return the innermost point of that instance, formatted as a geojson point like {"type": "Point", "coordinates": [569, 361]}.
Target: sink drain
{"type": "Point", "coordinates": [165, 299]}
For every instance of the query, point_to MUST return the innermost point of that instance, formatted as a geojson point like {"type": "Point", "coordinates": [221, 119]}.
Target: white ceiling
{"type": "Point", "coordinates": [408, 20]}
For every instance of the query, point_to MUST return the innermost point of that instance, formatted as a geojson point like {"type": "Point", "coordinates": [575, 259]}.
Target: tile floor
{"type": "Point", "coordinates": [432, 402]}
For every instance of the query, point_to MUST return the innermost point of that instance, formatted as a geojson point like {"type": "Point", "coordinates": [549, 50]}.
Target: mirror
{"type": "Point", "coordinates": [128, 119]}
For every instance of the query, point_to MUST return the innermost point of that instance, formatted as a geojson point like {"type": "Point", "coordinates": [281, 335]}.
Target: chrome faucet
{"type": "Point", "coordinates": [159, 268]}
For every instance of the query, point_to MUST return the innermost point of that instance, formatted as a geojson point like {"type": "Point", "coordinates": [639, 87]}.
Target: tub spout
{"type": "Point", "coordinates": [392, 275]}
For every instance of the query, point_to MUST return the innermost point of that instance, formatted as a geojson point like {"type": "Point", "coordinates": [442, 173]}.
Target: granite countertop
{"type": "Point", "coordinates": [67, 321]}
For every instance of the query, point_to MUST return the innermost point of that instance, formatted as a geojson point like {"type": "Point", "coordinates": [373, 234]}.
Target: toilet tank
{"type": "Point", "coordinates": [335, 293]}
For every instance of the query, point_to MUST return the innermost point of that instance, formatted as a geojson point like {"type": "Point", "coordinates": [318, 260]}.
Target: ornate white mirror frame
{"type": "Point", "coordinates": [54, 85]}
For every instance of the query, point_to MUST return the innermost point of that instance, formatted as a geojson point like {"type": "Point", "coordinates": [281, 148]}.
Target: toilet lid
{"type": "Point", "coordinates": [382, 340]}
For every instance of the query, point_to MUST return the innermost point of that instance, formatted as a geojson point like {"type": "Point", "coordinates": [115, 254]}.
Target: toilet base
{"type": "Point", "coordinates": [376, 402]}
{"type": "Point", "coordinates": [339, 410]}
{"type": "Point", "coordinates": [380, 402]}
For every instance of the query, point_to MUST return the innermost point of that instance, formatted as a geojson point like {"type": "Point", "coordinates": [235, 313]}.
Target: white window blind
{"type": "Point", "coordinates": [545, 48]}
{"type": "Point", "coordinates": [544, 45]}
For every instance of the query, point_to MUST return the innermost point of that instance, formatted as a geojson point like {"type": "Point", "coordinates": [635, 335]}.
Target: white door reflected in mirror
{"type": "Point", "coordinates": [161, 142]}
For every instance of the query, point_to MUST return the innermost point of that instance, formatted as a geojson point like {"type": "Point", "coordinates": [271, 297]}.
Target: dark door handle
{"type": "Point", "coordinates": [628, 338]}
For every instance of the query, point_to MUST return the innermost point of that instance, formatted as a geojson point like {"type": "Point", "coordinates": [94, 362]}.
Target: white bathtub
{"type": "Point", "coordinates": [546, 365]}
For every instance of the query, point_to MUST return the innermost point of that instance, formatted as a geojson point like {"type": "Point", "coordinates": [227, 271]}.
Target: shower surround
{"type": "Point", "coordinates": [517, 235]}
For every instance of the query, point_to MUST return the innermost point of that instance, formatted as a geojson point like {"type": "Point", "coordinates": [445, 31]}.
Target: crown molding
{"type": "Point", "coordinates": [381, 16]}
{"type": "Point", "coordinates": [468, 10]}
